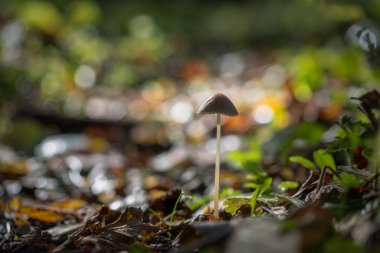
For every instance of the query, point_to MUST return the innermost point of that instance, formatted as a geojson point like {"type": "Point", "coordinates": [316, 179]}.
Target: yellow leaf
{"type": "Point", "coordinates": [41, 214]}
{"type": "Point", "coordinates": [69, 204]}
{"type": "Point", "coordinates": [14, 204]}
{"type": "Point", "coordinates": [53, 212]}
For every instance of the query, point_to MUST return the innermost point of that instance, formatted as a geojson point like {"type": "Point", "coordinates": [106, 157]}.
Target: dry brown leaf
{"type": "Point", "coordinates": [54, 212]}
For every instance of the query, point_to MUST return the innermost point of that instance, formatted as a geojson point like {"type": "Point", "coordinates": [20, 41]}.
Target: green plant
{"type": "Point", "coordinates": [257, 179]}
{"type": "Point", "coordinates": [352, 146]}
{"type": "Point", "coordinates": [172, 215]}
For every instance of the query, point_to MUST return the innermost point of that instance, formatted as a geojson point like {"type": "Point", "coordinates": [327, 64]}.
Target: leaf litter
{"type": "Point", "coordinates": [114, 205]}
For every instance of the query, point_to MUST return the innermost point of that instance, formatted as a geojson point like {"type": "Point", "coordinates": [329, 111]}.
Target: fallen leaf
{"type": "Point", "coordinates": [232, 204]}
{"type": "Point", "coordinates": [128, 229]}
{"type": "Point", "coordinates": [69, 204]}
{"type": "Point", "coordinates": [53, 212]}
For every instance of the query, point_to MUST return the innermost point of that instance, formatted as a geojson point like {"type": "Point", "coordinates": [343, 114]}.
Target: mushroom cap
{"type": "Point", "coordinates": [218, 103]}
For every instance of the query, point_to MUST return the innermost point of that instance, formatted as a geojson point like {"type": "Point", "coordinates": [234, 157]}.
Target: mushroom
{"type": "Point", "coordinates": [218, 104]}
{"type": "Point", "coordinates": [103, 213]}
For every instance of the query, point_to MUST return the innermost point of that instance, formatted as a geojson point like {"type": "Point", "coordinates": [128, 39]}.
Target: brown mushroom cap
{"type": "Point", "coordinates": [219, 103]}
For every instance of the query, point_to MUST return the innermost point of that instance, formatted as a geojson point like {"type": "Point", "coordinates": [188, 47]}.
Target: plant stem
{"type": "Point", "coordinates": [254, 196]}
{"type": "Point", "coordinates": [217, 168]}
{"type": "Point", "coordinates": [172, 215]}
{"type": "Point", "coordinates": [321, 179]}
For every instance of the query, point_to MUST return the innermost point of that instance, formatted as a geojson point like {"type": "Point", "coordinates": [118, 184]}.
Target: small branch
{"type": "Point", "coordinates": [333, 171]}
{"type": "Point", "coordinates": [321, 179]}
{"type": "Point", "coordinates": [304, 185]}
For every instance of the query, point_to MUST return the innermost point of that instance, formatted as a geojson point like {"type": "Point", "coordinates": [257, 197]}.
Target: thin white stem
{"type": "Point", "coordinates": [217, 168]}
{"type": "Point", "coordinates": [103, 221]}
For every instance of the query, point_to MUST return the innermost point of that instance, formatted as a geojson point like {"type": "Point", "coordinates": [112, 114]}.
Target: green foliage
{"type": "Point", "coordinates": [303, 161]}
{"type": "Point", "coordinates": [139, 44]}
{"type": "Point", "coordinates": [348, 180]}
{"type": "Point", "coordinates": [261, 180]}
{"type": "Point", "coordinates": [349, 136]}
{"type": "Point", "coordinates": [40, 15]}
{"type": "Point", "coordinates": [228, 192]}
{"type": "Point", "coordinates": [172, 215]}
{"type": "Point", "coordinates": [245, 160]}
{"type": "Point", "coordinates": [261, 186]}
{"type": "Point", "coordinates": [232, 204]}
{"type": "Point", "coordinates": [339, 243]}
{"type": "Point", "coordinates": [367, 153]}
{"type": "Point", "coordinates": [288, 224]}
{"type": "Point", "coordinates": [288, 185]}
{"type": "Point", "coordinates": [266, 185]}
{"type": "Point", "coordinates": [138, 249]}
{"type": "Point", "coordinates": [253, 202]}
{"type": "Point", "coordinates": [249, 160]}
{"type": "Point", "coordinates": [282, 142]}
{"type": "Point", "coordinates": [24, 135]}
{"type": "Point", "coordinates": [307, 72]}
{"type": "Point", "coordinates": [196, 201]}
{"type": "Point", "coordinates": [323, 159]}
{"type": "Point", "coordinates": [257, 179]}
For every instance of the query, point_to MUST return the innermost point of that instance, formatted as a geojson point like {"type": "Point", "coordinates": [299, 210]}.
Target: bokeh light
{"type": "Point", "coordinates": [263, 114]}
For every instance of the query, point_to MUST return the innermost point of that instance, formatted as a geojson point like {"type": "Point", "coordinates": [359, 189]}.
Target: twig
{"type": "Point", "coordinates": [321, 179]}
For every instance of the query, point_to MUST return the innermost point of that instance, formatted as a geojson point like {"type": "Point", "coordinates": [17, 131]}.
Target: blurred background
{"type": "Point", "coordinates": [92, 89]}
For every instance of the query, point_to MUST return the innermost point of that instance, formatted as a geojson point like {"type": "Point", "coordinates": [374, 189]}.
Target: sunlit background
{"type": "Point", "coordinates": [120, 82]}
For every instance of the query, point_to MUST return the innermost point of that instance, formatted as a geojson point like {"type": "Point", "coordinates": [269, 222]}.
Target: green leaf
{"type": "Point", "coordinates": [245, 160]}
{"type": "Point", "coordinates": [236, 157]}
{"type": "Point", "coordinates": [266, 186]}
{"type": "Point", "coordinates": [232, 204]}
{"type": "Point", "coordinates": [228, 192]}
{"type": "Point", "coordinates": [288, 225]}
{"type": "Point", "coordinates": [324, 159]}
{"type": "Point", "coordinates": [251, 185]}
{"type": "Point", "coordinates": [288, 185]}
{"type": "Point", "coordinates": [172, 215]}
{"type": "Point", "coordinates": [348, 180]}
{"type": "Point", "coordinates": [339, 243]}
{"type": "Point", "coordinates": [303, 161]}
{"type": "Point", "coordinates": [367, 153]}
{"type": "Point", "coordinates": [253, 203]}
{"type": "Point", "coordinates": [196, 201]}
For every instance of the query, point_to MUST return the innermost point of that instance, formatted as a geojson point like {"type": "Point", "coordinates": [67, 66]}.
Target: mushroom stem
{"type": "Point", "coordinates": [217, 167]}
{"type": "Point", "coordinates": [218, 104]}
{"type": "Point", "coordinates": [103, 221]}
